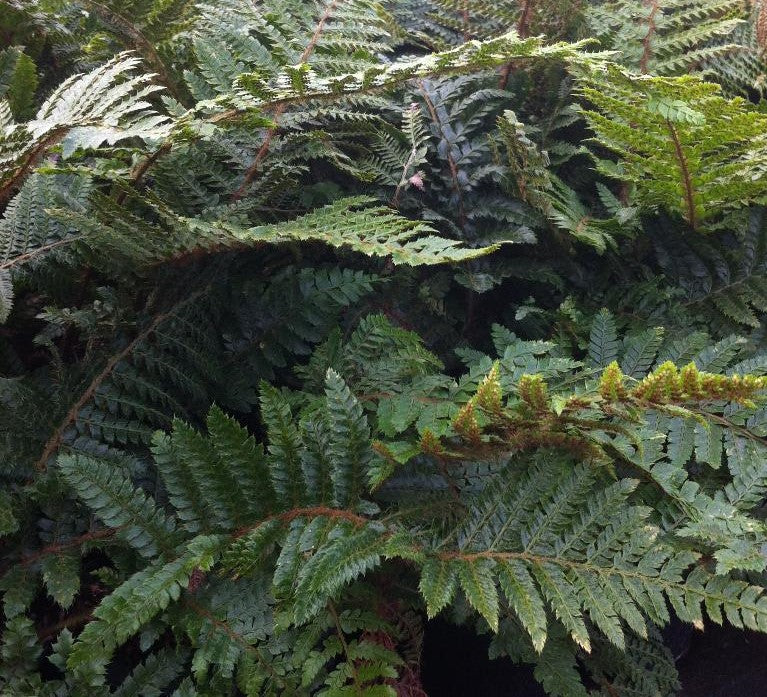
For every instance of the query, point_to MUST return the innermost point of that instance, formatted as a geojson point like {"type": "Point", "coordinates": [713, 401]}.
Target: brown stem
{"type": "Point", "coordinates": [69, 544]}
{"type": "Point", "coordinates": [455, 492]}
{"type": "Point", "coordinates": [340, 634]}
{"type": "Point", "coordinates": [142, 168]}
{"type": "Point", "coordinates": [465, 19]}
{"type": "Point", "coordinates": [22, 258]}
{"type": "Point", "coordinates": [307, 512]}
{"type": "Point", "coordinates": [523, 25]}
{"type": "Point", "coordinates": [236, 637]}
{"type": "Point", "coordinates": [70, 418]}
{"type": "Point", "coordinates": [46, 633]}
{"type": "Point", "coordinates": [610, 688]}
{"type": "Point", "coordinates": [760, 24]}
{"type": "Point", "coordinates": [523, 29]}
{"type": "Point", "coordinates": [250, 173]}
{"type": "Point", "coordinates": [451, 162]}
{"type": "Point", "coordinates": [140, 43]}
{"type": "Point", "coordinates": [623, 193]}
{"type": "Point", "coordinates": [190, 255]}
{"type": "Point", "coordinates": [740, 430]}
{"type": "Point", "coordinates": [689, 191]}
{"type": "Point", "coordinates": [644, 61]}
{"type": "Point", "coordinates": [10, 186]}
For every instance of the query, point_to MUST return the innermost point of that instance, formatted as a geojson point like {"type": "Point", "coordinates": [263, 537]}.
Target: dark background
{"type": "Point", "coordinates": [719, 662]}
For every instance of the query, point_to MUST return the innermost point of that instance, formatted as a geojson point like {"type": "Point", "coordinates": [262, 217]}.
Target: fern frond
{"type": "Point", "coordinates": [18, 81]}
{"type": "Point", "coordinates": [722, 277]}
{"type": "Point", "coordinates": [348, 446]}
{"type": "Point", "coordinates": [667, 37]}
{"type": "Point", "coordinates": [284, 448]}
{"type": "Point", "coordinates": [111, 496]}
{"type": "Point", "coordinates": [603, 340]}
{"type": "Point", "coordinates": [252, 441]}
{"type": "Point", "coordinates": [103, 106]}
{"type": "Point", "coordinates": [683, 146]}
{"type": "Point", "coordinates": [358, 224]}
{"type": "Point", "coordinates": [136, 601]}
{"type": "Point", "coordinates": [300, 83]}
{"type": "Point", "coordinates": [6, 295]}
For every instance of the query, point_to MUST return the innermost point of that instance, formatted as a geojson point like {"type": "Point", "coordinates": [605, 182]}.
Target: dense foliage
{"type": "Point", "coordinates": [321, 319]}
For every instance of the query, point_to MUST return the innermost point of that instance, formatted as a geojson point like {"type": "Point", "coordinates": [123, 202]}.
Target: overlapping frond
{"type": "Point", "coordinates": [358, 224]}
{"type": "Point", "coordinates": [255, 428]}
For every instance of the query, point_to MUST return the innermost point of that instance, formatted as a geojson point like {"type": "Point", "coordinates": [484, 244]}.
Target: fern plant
{"type": "Point", "coordinates": [287, 533]}
{"type": "Point", "coordinates": [318, 322]}
{"type": "Point", "coordinates": [743, 70]}
{"type": "Point", "coordinates": [89, 109]}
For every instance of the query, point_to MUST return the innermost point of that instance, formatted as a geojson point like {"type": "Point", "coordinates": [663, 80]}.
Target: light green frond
{"type": "Point", "coordinates": [354, 223]}
{"type": "Point", "coordinates": [671, 135]}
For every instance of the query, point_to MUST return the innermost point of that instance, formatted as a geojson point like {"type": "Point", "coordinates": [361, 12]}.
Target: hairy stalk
{"type": "Point", "coordinates": [644, 62]}
{"type": "Point", "coordinates": [523, 29]}
{"type": "Point", "coordinates": [684, 170]}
